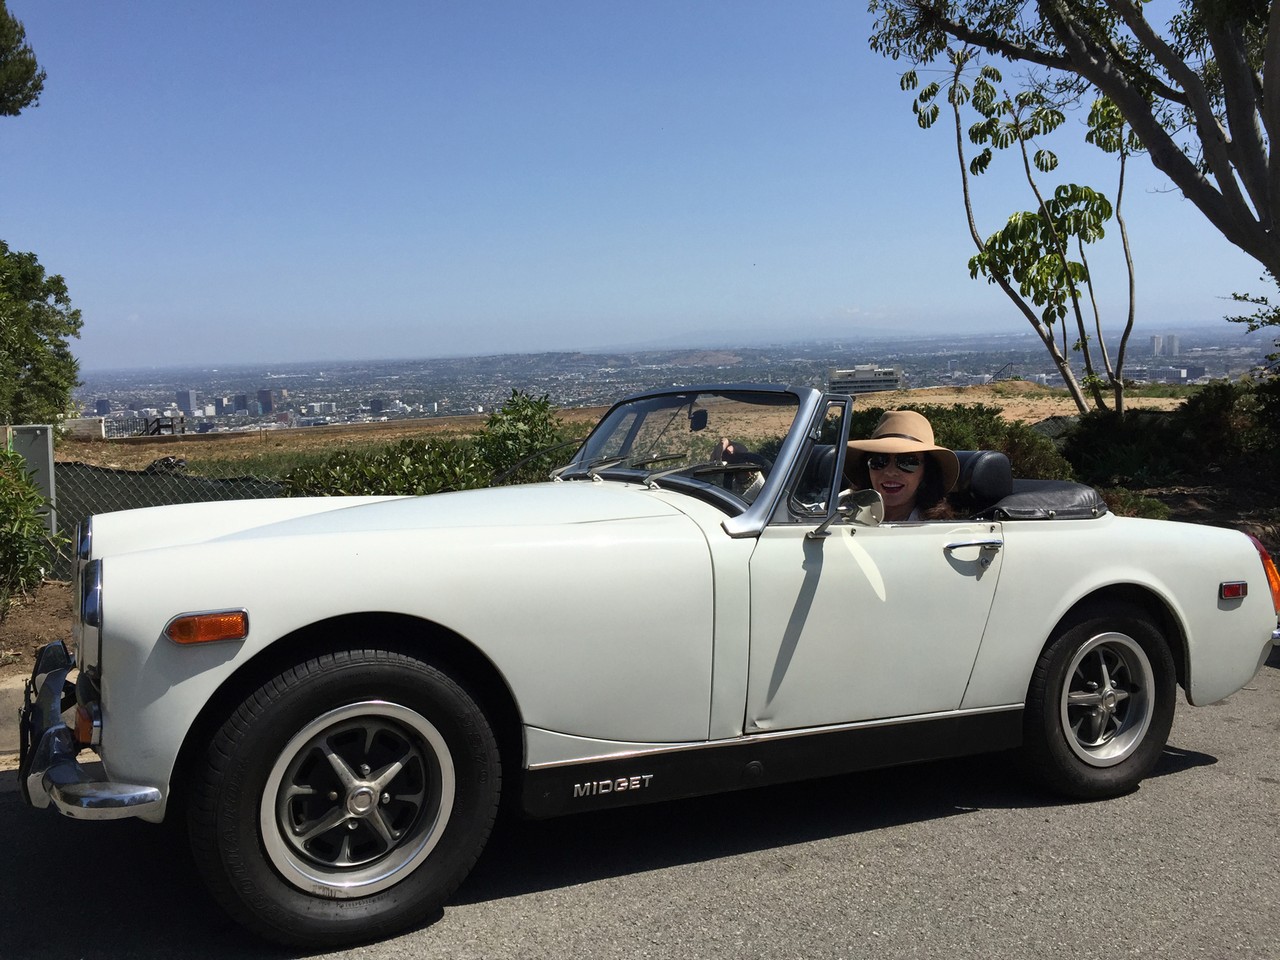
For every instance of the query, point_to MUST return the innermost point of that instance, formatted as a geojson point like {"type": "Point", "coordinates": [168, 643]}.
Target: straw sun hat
{"type": "Point", "coordinates": [905, 431]}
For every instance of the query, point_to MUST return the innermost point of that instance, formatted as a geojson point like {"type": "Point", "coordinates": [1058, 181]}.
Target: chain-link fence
{"type": "Point", "coordinates": [82, 490]}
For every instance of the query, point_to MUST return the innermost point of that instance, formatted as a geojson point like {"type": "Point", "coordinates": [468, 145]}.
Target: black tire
{"type": "Point", "coordinates": [1100, 705]}
{"type": "Point", "coordinates": [345, 799]}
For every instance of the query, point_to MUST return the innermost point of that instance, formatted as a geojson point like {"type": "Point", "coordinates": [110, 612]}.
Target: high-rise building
{"type": "Point", "coordinates": [864, 378]}
{"type": "Point", "coordinates": [222, 407]}
{"type": "Point", "coordinates": [264, 401]}
{"type": "Point", "coordinates": [1172, 346]}
{"type": "Point", "coordinates": [102, 407]}
{"type": "Point", "coordinates": [242, 402]}
{"type": "Point", "coordinates": [1157, 346]}
{"type": "Point", "coordinates": [187, 401]}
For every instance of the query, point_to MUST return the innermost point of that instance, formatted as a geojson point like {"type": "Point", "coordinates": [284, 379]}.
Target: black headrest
{"type": "Point", "coordinates": [985, 476]}
{"type": "Point", "coordinates": [822, 462]}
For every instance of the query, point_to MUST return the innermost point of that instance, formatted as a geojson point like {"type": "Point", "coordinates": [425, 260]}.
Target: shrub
{"type": "Point", "coordinates": [406, 468]}
{"type": "Point", "coordinates": [1127, 503]}
{"type": "Point", "coordinates": [1137, 448]}
{"type": "Point", "coordinates": [521, 441]}
{"type": "Point", "coordinates": [1223, 426]}
{"type": "Point", "coordinates": [510, 450]}
{"type": "Point", "coordinates": [24, 541]}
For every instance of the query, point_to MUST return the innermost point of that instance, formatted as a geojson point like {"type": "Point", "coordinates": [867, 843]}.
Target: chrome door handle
{"type": "Point", "coordinates": [993, 544]}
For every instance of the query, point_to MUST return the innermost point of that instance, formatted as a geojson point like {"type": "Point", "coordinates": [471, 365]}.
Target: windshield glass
{"type": "Point", "coordinates": [690, 433]}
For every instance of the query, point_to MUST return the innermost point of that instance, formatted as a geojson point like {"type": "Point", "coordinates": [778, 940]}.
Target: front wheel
{"type": "Point", "coordinates": [345, 798]}
{"type": "Point", "coordinates": [1100, 706]}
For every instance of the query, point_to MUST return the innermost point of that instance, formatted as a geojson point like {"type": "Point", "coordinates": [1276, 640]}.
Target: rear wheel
{"type": "Point", "coordinates": [345, 799]}
{"type": "Point", "coordinates": [1100, 705]}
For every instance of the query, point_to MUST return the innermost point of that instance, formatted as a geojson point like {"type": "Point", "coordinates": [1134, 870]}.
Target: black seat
{"type": "Point", "coordinates": [986, 477]}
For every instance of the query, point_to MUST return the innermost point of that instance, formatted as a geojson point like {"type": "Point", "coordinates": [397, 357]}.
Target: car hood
{"type": "Point", "coordinates": [540, 504]}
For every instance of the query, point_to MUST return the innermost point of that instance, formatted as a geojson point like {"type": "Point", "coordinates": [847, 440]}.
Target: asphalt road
{"type": "Point", "coordinates": [945, 860]}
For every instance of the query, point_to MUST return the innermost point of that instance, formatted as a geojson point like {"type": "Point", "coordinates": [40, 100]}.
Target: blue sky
{"type": "Point", "coordinates": [285, 181]}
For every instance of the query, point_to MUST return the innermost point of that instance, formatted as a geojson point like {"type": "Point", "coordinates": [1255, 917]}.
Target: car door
{"type": "Point", "coordinates": [867, 622]}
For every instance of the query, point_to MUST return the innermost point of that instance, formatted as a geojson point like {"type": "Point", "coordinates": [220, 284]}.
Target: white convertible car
{"type": "Point", "coordinates": [337, 693]}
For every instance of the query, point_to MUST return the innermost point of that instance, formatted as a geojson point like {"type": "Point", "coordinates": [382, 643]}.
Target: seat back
{"type": "Point", "coordinates": [986, 477]}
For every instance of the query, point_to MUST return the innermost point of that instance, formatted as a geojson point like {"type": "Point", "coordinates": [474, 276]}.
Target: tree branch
{"type": "Point", "coordinates": [1226, 209]}
{"type": "Point", "coordinates": [1246, 147]}
{"type": "Point", "coordinates": [1209, 131]}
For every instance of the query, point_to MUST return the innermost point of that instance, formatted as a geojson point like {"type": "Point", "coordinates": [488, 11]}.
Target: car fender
{"type": "Point", "coordinates": [1179, 565]}
{"type": "Point", "coordinates": [599, 629]}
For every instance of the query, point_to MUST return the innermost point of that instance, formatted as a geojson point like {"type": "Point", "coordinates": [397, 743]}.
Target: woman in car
{"type": "Point", "coordinates": [900, 461]}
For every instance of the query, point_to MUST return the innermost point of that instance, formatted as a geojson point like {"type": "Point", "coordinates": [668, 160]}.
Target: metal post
{"type": "Point", "coordinates": [34, 443]}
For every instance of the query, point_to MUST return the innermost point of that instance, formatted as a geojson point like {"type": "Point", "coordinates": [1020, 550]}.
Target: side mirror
{"type": "Point", "coordinates": [863, 507]}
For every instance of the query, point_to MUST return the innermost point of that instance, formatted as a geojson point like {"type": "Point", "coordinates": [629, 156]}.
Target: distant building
{"type": "Point", "coordinates": [102, 407]}
{"type": "Point", "coordinates": [864, 378]}
{"type": "Point", "coordinates": [222, 407]}
{"type": "Point", "coordinates": [1172, 346]}
{"type": "Point", "coordinates": [242, 402]}
{"type": "Point", "coordinates": [187, 401]}
{"type": "Point", "coordinates": [1157, 346]}
{"type": "Point", "coordinates": [264, 401]}
{"type": "Point", "coordinates": [377, 406]}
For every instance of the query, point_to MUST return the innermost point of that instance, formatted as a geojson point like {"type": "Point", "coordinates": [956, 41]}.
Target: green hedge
{"type": "Point", "coordinates": [520, 443]}
{"type": "Point", "coordinates": [1223, 427]}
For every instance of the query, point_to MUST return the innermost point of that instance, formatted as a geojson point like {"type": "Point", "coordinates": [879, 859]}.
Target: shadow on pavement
{"type": "Point", "coordinates": [129, 889]}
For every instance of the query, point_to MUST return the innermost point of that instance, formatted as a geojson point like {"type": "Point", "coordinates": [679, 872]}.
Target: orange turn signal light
{"type": "Point", "coordinates": [88, 725]}
{"type": "Point", "coordinates": [208, 627]}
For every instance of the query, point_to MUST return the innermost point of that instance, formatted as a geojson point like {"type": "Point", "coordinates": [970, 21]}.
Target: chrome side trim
{"type": "Point", "coordinates": [770, 736]}
{"type": "Point", "coordinates": [91, 595]}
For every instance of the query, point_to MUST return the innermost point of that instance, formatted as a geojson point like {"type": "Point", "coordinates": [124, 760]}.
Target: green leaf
{"type": "Point", "coordinates": [978, 165]}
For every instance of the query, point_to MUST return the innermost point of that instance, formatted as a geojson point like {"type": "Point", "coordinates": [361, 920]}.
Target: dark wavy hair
{"type": "Point", "coordinates": [931, 498]}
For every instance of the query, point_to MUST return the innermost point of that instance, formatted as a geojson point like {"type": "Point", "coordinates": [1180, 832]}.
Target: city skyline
{"type": "Point", "coordinates": [300, 394]}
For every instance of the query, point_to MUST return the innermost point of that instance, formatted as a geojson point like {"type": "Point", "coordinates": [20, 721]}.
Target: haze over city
{"type": "Point", "coordinates": [289, 182]}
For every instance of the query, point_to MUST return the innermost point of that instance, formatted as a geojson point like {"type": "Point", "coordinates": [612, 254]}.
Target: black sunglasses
{"type": "Point", "coordinates": [906, 462]}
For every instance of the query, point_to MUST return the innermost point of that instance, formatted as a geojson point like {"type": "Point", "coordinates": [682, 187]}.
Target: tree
{"type": "Point", "coordinates": [1030, 257]}
{"type": "Point", "coordinates": [21, 78]}
{"type": "Point", "coordinates": [37, 370]}
{"type": "Point", "coordinates": [1201, 91]}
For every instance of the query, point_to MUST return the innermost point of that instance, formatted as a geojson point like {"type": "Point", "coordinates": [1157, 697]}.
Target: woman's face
{"type": "Point", "coordinates": [897, 487]}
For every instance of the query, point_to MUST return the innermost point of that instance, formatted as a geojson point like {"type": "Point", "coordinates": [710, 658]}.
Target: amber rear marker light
{"type": "Point", "coordinates": [208, 627]}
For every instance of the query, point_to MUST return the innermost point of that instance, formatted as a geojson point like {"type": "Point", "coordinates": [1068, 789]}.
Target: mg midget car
{"type": "Point", "coordinates": [334, 695]}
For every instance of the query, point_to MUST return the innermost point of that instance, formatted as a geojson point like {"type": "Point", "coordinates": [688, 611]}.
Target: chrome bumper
{"type": "Point", "coordinates": [47, 768]}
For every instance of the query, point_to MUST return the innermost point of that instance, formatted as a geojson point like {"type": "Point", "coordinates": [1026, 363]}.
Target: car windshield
{"type": "Point", "coordinates": [682, 433]}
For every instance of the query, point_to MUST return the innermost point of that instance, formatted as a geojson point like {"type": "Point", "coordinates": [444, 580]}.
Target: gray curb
{"type": "Point", "coordinates": [11, 691]}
